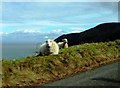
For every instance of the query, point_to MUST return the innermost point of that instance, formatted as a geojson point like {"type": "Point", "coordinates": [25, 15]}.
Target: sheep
{"type": "Point", "coordinates": [50, 47]}
{"type": "Point", "coordinates": [63, 44]}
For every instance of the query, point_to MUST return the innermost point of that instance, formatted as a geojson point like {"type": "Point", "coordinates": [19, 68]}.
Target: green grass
{"type": "Point", "coordinates": [43, 69]}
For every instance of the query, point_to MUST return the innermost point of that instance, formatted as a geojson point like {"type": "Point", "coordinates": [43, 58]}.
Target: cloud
{"type": "Point", "coordinates": [46, 37]}
{"type": "Point", "coordinates": [76, 29]}
{"type": "Point", "coordinates": [34, 31]}
{"type": "Point", "coordinates": [3, 33]}
{"type": "Point", "coordinates": [28, 31]}
{"type": "Point", "coordinates": [57, 31]}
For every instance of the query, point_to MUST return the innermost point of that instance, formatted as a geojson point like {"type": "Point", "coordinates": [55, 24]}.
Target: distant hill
{"type": "Point", "coordinates": [101, 33]}
{"type": "Point", "coordinates": [29, 36]}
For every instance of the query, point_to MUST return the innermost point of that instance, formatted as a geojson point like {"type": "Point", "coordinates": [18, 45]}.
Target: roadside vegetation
{"type": "Point", "coordinates": [34, 71]}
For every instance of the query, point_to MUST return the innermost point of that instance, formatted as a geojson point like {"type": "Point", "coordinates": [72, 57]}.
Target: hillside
{"type": "Point", "coordinates": [36, 71]}
{"type": "Point", "coordinates": [101, 33]}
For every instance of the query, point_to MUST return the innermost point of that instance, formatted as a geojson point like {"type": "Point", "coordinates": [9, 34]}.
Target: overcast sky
{"type": "Point", "coordinates": [59, 16]}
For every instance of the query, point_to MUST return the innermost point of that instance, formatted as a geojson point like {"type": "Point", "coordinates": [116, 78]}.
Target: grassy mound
{"type": "Point", "coordinates": [43, 69]}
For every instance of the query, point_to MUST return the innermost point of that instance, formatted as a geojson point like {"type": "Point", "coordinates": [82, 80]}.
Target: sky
{"type": "Point", "coordinates": [44, 17]}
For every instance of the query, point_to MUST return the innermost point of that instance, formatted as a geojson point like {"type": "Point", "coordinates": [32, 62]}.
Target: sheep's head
{"type": "Point", "coordinates": [65, 40]}
{"type": "Point", "coordinates": [49, 43]}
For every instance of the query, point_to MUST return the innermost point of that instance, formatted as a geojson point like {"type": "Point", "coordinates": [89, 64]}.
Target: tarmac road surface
{"type": "Point", "coordinates": [106, 75]}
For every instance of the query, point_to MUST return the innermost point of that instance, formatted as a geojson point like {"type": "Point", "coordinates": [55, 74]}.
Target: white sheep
{"type": "Point", "coordinates": [50, 47]}
{"type": "Point", "coordinates": [63, 44]}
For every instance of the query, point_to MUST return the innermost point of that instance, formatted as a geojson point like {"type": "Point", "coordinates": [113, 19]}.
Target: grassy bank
{"type": "Point", "coordinates": [40, 70]}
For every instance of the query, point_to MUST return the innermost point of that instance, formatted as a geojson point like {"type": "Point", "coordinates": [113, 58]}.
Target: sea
{"type": "Point", "coordinates": [18, 50]}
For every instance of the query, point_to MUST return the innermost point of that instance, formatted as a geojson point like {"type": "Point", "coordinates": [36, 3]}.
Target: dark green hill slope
{"type": "Point", "coordinates": [101, 33]}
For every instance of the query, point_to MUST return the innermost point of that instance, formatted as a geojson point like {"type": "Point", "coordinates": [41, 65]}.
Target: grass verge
{"type": "Point", "coordinates": [34, 71]}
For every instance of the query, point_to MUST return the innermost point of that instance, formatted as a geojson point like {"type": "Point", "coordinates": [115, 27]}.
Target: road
{"type": "Point", "coordinates": [107, 75]}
